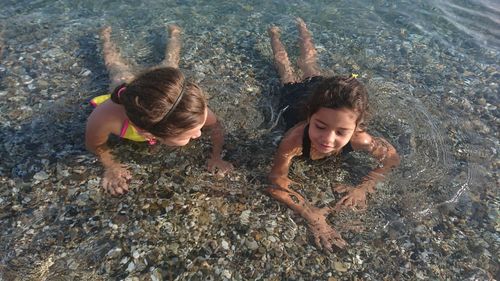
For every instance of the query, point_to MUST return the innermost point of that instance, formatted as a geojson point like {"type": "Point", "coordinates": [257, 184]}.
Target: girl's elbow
{"type": "Point", "coordinates": [91, 144]}
{"type": "Point", "coordinates": [395, 159]}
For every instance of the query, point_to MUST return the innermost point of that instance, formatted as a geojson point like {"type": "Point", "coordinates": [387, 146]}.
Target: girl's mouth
{"type": "Point", "coordinates": [325, 147]}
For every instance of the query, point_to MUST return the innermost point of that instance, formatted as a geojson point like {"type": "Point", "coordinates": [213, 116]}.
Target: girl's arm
{"type": "Point", "coordinates": [217, 136]}
{"type": "Point", "coordinates": [388, 158]}
{"type": "Point", "coordinates": [99, 126]}
{"type": "Point", "coordinates": [291, 146]}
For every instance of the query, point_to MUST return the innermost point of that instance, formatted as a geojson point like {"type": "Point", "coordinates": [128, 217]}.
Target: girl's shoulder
{"type": "Point", "coordinates": [111, 110]}
{"type": "Point", "coordinates": [108, 116]}
{"type": "Point", "coordinates": [361, 140]}
{"type": "Point", "coordinates": [296, 131]}
{"type": "Point", "coordinates": [292, 140]}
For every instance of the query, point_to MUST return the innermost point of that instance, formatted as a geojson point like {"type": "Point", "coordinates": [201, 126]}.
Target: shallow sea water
{"type": "Point", "coordinates": [432, 71]}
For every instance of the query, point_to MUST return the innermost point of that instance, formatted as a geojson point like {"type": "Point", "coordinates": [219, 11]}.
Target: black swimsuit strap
{"type": "Point", "coordinates": [347, 149]}
{"type": "Point", "coordinates": [306, 143]}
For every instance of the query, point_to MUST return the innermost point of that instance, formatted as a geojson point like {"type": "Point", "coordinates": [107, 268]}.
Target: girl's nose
{"type": "Point", "coordinates": [330, 137]}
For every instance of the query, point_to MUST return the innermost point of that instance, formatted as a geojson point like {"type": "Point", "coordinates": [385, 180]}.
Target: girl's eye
{"type": "Point", "coordinates": [320, 127]}
{"type": "Point", "coordinates": [340, 133]}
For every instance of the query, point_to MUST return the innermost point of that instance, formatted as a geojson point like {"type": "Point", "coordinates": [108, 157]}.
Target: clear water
{"type": "Point", "coordinates": [432, 68]}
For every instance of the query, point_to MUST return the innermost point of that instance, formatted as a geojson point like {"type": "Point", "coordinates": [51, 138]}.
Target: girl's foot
{"type": "Point", "coordinates": [274, 31]}
{"type": "Point", "coordinates": [300, 23]}
{"type": "Point", "coordinates": [174, 29]}
{"type": "Point", "coordinates": [173, 49]}
{"type": "Point", "coordinates": [106, 33]}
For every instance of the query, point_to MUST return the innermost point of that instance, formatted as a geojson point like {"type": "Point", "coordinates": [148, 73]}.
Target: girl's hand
{"type": "Point", "coordinates": [115, 180]}
{"type": "Point", "coordinates": [324, 235]}
{"type": "Point", "coordinates": [220, 166]}
{"type": "Point", "coordinates": [356, 196]}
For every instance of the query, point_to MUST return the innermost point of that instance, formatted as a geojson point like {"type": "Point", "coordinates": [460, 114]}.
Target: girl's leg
{"type": "Point", "coordinates": [307, 61]}
{"type": "Point", "coordinates": [281, 60]}
{"type": "Point", "coordinates": [172, 52]}
{"type": "Point", "coordinates": [119, 71]}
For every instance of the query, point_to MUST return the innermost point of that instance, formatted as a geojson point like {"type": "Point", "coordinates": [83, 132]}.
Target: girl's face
{"type": "Point", "coordinates": [184, 138]}
{"type": "Point", "coordinates": [331, 129]}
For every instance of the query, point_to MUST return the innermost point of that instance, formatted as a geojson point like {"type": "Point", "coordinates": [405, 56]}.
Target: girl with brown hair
{"type": "Point", "coordinates": [159, 105]}
{"type": "Point", "coordinates": [333, 125]}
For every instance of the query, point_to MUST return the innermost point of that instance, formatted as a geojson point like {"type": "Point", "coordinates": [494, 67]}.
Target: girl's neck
{"type": "Point", "coordinates": [316, 155]}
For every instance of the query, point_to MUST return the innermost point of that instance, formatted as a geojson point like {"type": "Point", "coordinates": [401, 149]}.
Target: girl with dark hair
{"type": "Point", "coordinates": [334, 122]}
{"type": "Point", "coordinates": [159, 105]}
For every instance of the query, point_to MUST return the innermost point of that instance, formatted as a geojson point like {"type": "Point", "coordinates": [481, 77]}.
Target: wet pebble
{"type": "Point", "coordinates": [40, 176]}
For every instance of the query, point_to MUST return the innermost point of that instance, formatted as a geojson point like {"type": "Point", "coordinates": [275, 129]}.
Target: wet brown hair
{"type": "Point", "coordinates": [340, 92]}
{"type": "Point", "coordinates": [149, 98]}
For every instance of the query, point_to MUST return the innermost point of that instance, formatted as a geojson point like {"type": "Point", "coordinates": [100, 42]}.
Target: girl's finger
{"type": "Point", "coordinates": [341, 201]}
{"type": "Point", "coordinates": [317, 240]}
{"type": "Point", "coordinates": [124, 188]}
{"type": "Point", "coordinates": [111, 190]}
{"type": "Point", "coordinates": [326, 244]}
{"type": "Point", "coordinates": [349, 202]}
{"type": "Point", "coordinates": [120, 192]}
{"type": "Point", "coordinates": [344, 200]}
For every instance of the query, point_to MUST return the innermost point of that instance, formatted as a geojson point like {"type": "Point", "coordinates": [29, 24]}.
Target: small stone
{"type": "Point", "coordinates": [124, 260]}
{"type": "Point", "coordinates": [156, 275]}
{"type": "Point", "coordinates": [42, 175]}
{"type": "Point", "coordinates": [17, 208]}
{"type": "Point", "coordinates": [86, 73]}
{"type": "Point", "coordinates": [136, 254]}
{"type": "Point", "coordinates": [225, 245]}
{"type": "Point", "coordinates": [140, 264]}
{"type": "Point", "coordinates": [114, 253]}
{"type": "Point", "coordinates": [245, 216]}
{"type": "Point", "coordinates": [420, 229]}
{"type": "Point", "coordinates": [131, 266]}
{"type": "Point", "coordinates": [340, 266]}
{"type": "Point", "coordinates": [251, 244]}
{"type": "Point", "coordinates": [27, 79]}
{"type": "Point", "coordinates": [226, 273]}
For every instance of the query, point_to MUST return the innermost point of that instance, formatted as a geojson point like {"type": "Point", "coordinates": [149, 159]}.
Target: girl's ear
{"type": "Point", "coordinates": [360, 127]}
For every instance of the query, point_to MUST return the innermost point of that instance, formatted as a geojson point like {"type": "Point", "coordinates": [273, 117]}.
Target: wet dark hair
{"type": "Point", "coordinates": [149, 102]}
{"type": "Point", "coordinates": [340, 92]}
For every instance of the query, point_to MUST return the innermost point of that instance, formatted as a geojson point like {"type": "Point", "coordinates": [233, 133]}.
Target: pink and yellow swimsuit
{"type": "Point", "coordinates": [128, 131]}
